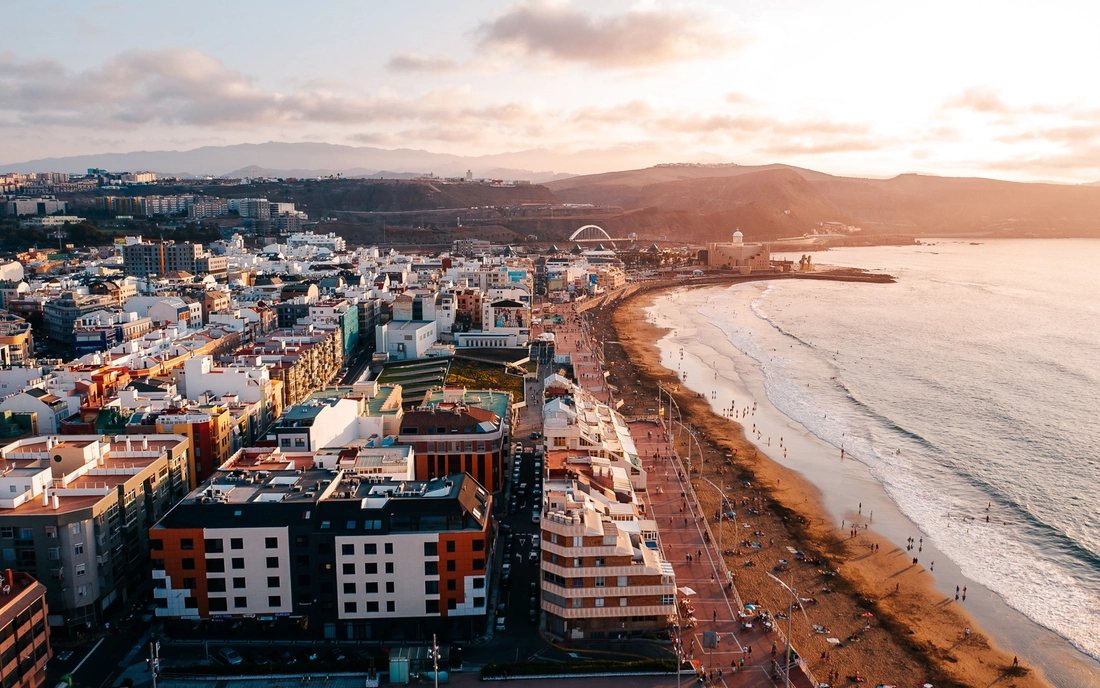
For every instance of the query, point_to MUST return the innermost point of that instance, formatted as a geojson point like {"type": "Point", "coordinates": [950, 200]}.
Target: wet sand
{"type": "Point", "coordinates": [914, 632]}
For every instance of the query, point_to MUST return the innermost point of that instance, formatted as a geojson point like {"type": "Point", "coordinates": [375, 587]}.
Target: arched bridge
{"type": "Point", "coordinates": [591, 234]}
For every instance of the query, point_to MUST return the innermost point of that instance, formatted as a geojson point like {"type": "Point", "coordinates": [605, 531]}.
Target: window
{"type": "Point", "coordinates": [431, 568]}
{"type": "Point", "coordinates": [53, 553]}
{"type": "Point", "coordinates": [76, 528]}
{"type": "Point", "coordinates": [578, 541]}
{"type": "Point", "coordinates": [156, 544]}
{"type": "Point", "coordinates": [622, 601]}
{"type": "Point", "coordinates": [370, 588]}
{"type": "Point", "coordinates": [371, 568]}
{"type": "Point", "coordinates": [389, 588]}
{"type": "Point", "coordinates": [215, 565]}
{"type": "Point", "coordinates": [272, 581]}
{"type": "Point", "coordinates": [78, 549]}
{"type": "Point", "coordinates": [479, 545]}
{"type": "Point", "coordinates": [239, 584]}
{"type": "Point", "coordinates": [240, 602]}
{"type": "Point", "coordinates": [273, 562]}
{"type": "Point", "coordinates": [389, 567]}
{"type": "Point", "coordinates": [431, 587]}
{"type": "Point", "coordinates": [304, 579]}
{"type": "Point", "coordinates": [599, 601]}
{"type": "Point", "coordinates": [668, 599]}
{"type": "Point", "coordinates": [302, 560]}
{"type": "Point", "coordinates": [218, 604]}
{"type": "Point", "coordinates": [190, 583]}
{"type": "Point", "coordinates": [349, 588]}
{"type": "Point", "coordinates": [372, 606]}
{"type": "Point", "coordinates": [451, 565]}
{"type": "Point", "coordinates": [188, 564]}
{"type": "Point", "coordinates": [347, 550]}
{"type": "Point", "coordinates": [391, 606]}
{"type": "Point", "coordinates": [388, 548]}
{"type": "Point", "coordinates": [271, 543]}
{"type": "Point", "coordinates": [452, 603]}
{"type": "Point", "coordinates": [187, 543]}
{"type": "Point", "coordinates": [350, 608]}
{"type": "Point", "coordinates": [236, 543]}
{"type": "Point", "coordinates": [299, 443]}
{"type": "Point", "coordinates": [600, 582]}
{"type": "Point", "coordinates": [450, 545]}
{"type": "Point", "coordinates": [351, 525]}
{"type": "Point", "coordinates": [600, 561]}
{"type": "Point", "coordinates": [237, 562]}
{"type": "Point", "coordinates": [7, 532]}
{"type": "Point", "coordinates": [274, 601]}
{"type": "Point", "coordinates": [81, 569]}
{"type": "Point", "coordinates": [191, 603]}
{"type": "Point", "coordinates": [431, 606]}
{"type": "Point", "coordinates": [348, 569]}
{"type": "Point", "coordinates": [212, 546]}
{"type": "Point", "coordinates": [578, 583]}
{"type": "Point", "coordinates": [479, 564]}
{"type": "Point", "coordinates": [578, 562]}
{"type": "Point", "coordinates": [576, 602]}
{"type": "Point", "coordinates": [623, 581]}
{"type": "Point", "coordinates": [452, 584]}
{"type": "Point", "coordinates": [431, 549]}
{"type": "Point", "coordinates": [370, 548]}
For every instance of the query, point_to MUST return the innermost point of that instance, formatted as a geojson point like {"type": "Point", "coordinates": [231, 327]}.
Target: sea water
{"type": "Point", "coordinates": [970, 389]}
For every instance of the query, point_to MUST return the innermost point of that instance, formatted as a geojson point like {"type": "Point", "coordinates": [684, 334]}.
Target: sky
{"type": "Point", "coordinates": [996, 89]}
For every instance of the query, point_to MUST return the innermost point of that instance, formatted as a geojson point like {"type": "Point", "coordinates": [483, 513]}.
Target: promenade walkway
{"type": "Point", "coordinates": [684, 533]}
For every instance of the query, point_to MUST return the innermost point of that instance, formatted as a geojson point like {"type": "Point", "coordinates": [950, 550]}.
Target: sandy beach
{"type": "Point", "coordinates": [893, 625]}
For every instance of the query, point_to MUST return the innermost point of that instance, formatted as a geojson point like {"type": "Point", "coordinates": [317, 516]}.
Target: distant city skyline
{"type": "Point", "coordinates": [854, 88]}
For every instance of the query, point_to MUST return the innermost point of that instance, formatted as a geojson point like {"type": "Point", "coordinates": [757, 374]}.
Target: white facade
{"type": "Point", "coordinates": [200, 377]}
{"type": "Point", "coordinates": [394, 571]}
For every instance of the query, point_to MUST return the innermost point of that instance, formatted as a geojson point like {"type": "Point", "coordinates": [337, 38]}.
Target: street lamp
{"type": "Point", "coordinates": [790, 613]}
{"type": "Point", "coordinates": [722, 500]}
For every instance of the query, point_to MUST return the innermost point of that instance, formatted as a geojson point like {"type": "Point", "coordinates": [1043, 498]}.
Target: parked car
{"type": "Point", "coordinates": [284, 657]}
{"type": "Point", "coordinates": [536, 540]}
{"type": "Point", "coordinates": [259, 658]}
{"type": "Point", "coordinates": [500, 623]}
{"type": "Point", "coordinates": [533, 556]}
{"type": "Point", "coordinates": [533, 615]}
{"type": "Point", "coordinates": [535, 517]}
{"type": "Point", "coordinates": [229, 656]}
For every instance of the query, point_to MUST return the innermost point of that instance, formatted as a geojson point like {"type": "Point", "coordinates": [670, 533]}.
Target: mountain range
{"type": "Point", "coordinates": [696, 200]}
{"type": "Point", "coordinates": [300, 160]}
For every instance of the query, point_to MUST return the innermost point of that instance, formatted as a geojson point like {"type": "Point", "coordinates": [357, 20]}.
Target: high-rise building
{"type": "Point", "coordinates": [327, 553]}
{"type": "Point", "coordinates": [75, 514]}
{"type": "Point", "coordinates": [26, 640]}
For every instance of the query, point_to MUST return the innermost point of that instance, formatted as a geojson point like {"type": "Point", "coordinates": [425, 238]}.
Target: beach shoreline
{"type": "Point", "coordinates": [874, 576]}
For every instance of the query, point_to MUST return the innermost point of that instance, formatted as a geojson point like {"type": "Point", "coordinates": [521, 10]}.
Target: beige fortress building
{"type": "Point", "coordinates": [738, 255]}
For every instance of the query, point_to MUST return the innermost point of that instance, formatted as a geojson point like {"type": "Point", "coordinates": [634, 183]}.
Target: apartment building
{"type": "Point", "coordinates": [24, 640]}
{"type": "Point", "coordinates": [61, 314]}
{"type": "Point", "coordinates": [603, 572]}
{"type": "Point", "coordinates": [299, 551]}
{"type": "Point", "coordinates": [457, 431]}
{"type": "Point", "coordinates": [16, 335]}
{"type": "Point", "coordinates": [581, 424]}
{"type": "Point", "coordinates": [75, 510]}
{"type": "Point", "coordinates": [304, 359]}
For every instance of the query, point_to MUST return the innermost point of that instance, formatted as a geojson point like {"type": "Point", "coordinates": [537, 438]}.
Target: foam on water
{"type": "Point", "coordinates": [949, 510]}
{"type": "Point", "coordinates": [980, 366]}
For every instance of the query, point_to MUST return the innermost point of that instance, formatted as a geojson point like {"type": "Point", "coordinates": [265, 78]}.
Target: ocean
{"type": "Point", "coordinates": [970, 390]}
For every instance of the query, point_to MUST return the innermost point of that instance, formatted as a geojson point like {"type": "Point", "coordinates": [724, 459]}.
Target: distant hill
{"type": "Point", "coordinates": [304, 159]}
{"type": "Point", "coordinates": [767, 199]}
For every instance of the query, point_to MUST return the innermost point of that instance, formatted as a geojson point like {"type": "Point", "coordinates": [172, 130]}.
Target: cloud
{"type": "Point", "coordinates": [978, 99]}
{"type": "Point", "coordinates": [637, 38]}
{"type": "Point", "coordinates": [407, 62]}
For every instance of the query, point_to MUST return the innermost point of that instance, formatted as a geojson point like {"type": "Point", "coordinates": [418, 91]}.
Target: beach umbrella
{"type": "Point", "coordinates": [687, 591]}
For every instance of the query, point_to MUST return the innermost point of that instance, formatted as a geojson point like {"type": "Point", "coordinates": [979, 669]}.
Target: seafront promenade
{"type": "Point", "coordinates": [707, 601]}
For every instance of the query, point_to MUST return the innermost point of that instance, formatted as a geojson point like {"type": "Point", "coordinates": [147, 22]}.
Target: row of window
{"type": "Point", "coordinates": [218, 565]}
{"type": "Point", "coordinates": [218, 584]}
{"type": "Point", "coordinates": [221, 604]}
{"type": "Point", "coordinates": [431, 549]}
{"type": "Point", "coordinates": [577, 562]}
{"type": "Point", "coordinates": [598, 581]}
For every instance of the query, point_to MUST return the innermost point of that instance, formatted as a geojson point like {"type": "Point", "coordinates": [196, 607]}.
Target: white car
{"type": "Point", "coordinates": [230, 656]}
{"type": "Point", "coordinates": [535, 541]}
{"type": "Point", "coordinates": [535, 517]}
